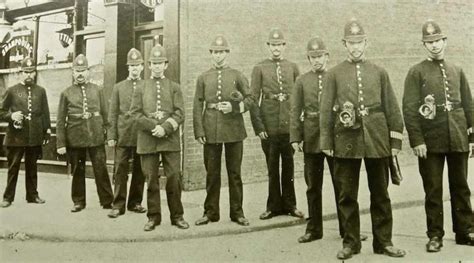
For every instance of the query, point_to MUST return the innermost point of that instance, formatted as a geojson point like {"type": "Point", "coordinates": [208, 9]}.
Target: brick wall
{"type": "Point", "coordinates": [393, 29]}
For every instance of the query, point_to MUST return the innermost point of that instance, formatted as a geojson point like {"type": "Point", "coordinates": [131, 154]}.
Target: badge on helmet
{"type": "Point", "coordinates": [219, 44]}
{"type": "Point", "coordinates": [316, 47]}
{"type": "Point", "coordinates": [353, 31]}
{"type": "Point", "coordinates": [80, 63]}
{"type": "Point", "coordinates": [276, 37]}
{"type": "Point", "coordinates": [27, 65]}
{"type": "Point", "coordinates": [134, 57]}
{"type": "Point", "coordinates": [158, 54]}
{"type": "Point", "coordinates": [431, 31]}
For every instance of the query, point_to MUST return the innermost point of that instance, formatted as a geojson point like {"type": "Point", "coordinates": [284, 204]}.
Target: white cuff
{"type": "Point", "coordinates": [241, 107]}
{"type": "Point", "coordinates": [173, 123]}
{"type": "Point", "coordinates": [396, 135]}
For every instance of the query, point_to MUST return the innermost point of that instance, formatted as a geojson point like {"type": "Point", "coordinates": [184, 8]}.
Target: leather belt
{"type": "Point", "coordinates": [276, 96]}
{"type": "Point", "coordinates": [311, 114]}
{"type": "Point", "coordinates": [451, 106]}
{"type": "Point", "coordinates": [158, 115]}
{"type": "Point", "coordinates": [369, 110]}
{"type": "Point", "coordinates": [85, 115]}
{"type": "Point", "coordinates": [213, 106]}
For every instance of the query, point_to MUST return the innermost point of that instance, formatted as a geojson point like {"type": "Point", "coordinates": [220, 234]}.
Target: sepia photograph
{"type": "Point", "coordinates": [236, 130]}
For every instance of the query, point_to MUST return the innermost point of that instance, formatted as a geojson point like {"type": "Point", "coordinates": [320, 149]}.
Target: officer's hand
{"type": "Point", "coordinates": [329, 152]}
{"type": "Point", "coordinates": [111, 143]}
{"type": "Point", "coordinates": [470, 131]}
{"type": "Point", "coordinates": [225, 107]}
{"type": "Point", "coordinates": [158, 131]}
{"type": "Point", "coordinates": [61, 151]}
{"type": "Point", "coordinates": [202, 140]}
{"type": "Point", "coordinates": [420, 151]}
{"type": "Point", "coordinates": [47, 136]}
{"type": "Point", "coordinates": [263, 135]}
{"type": "Point", "coordinates": [297, 146]}
{"type": "Point", "coordinates": [395, 152]}
{"type": "Point", "coordinates": [17, 116]}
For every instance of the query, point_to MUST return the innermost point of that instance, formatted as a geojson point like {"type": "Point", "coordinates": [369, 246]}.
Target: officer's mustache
{"type": "Point", "coordinates": [29, 80]}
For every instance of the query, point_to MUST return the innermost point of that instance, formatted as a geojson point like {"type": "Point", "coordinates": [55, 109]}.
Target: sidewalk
{"type": "Point", "coordinates": [54, 222]}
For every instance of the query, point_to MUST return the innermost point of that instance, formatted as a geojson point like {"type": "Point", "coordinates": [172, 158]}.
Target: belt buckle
{"type": "Point", "coordinates": [86, 115]}
{"type": "Point", "coordinates": [448, 106]}
{"type": "Point", "coordinates": [364, 112]}
{"type": "Point", "coordinates": [158, 115]}
{"type": "Point", "coordinates": [281, 97]}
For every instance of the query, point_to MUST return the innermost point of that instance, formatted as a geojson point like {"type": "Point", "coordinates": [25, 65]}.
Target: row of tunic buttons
{"type": "Point", "coordinates": [219, 85]}
{"type": "Point", "coordinates": [84, 99]}
{"type": "Point", "coordinates": [360, 87]}
{"type": "Point", "coordinates": [29, 104]}
{"type": "Point", "coordinates": [445, 81]}
{"type": "Point", "coordinates": [158, 96]}
{"type": "Point", "coordinates": [280, 79]}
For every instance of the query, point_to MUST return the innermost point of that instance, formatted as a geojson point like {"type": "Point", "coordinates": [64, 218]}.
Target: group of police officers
{"type": "Point", "coordinates": [343, 115]}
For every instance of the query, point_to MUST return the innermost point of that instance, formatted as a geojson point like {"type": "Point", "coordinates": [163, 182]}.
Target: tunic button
{"type": "Point", "coordinates": [448, 95]}
{"type": "Point", "coordinates": [219, 97]}
{"type": "Point", "coordinates": [219, 72]}
{"type": "Point", "coordinates": [360, 85]}
{"type": "Point", "coordinates": [361, 99]}
{"type": "Point", "coordinates": [320, 76]}
{"type": "Point", "coordinates": [360, 92]}
{"type": "Point", "coordinates": [218, 92]}
{"type": "Point", "coordinates": [446, 88]}
{"type": "Point", "coordinates": [359, 79]}
{"type": "Point", "coordinates": [358, 66]}
{"type": "Point", "coordinates": [441, 64]}
{"type": "Point", "coordinates": [159, 96]}
{"type": "Point", "coordinates": [362, 107]}
{"type": "Point", "coordinates": [219, 87]}
{"type": "Point", "coordinates": [159, 106]}
{"type": "Point", "coordinates": [281, 88]}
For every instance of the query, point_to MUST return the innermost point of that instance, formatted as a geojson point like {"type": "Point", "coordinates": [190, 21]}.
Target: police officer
{"type": "Point", "coordinates": [272, 82]}
{"type": "Point", "coordinates": [371, 130]}
{"type": "Point", "coordinates": [25, 107]}
{"type": "Point", "coordinates": [304, 136]}
{"type": "Point", "coordinates": [122, 134]}
{"type": "Point", "coordinates": [80, 129]}
{"type": "Point", "coordinates": [439, 116]}
{"type": "Point", "coordinates": [222, 96]}
{"type": "Point", "coordinates": [159, 111]}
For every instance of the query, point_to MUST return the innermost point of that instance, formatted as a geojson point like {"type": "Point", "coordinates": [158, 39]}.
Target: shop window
{"type": "Point", "coordinates": [95, 52]}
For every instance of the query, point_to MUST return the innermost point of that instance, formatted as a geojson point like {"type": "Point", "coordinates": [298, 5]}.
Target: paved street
{"type": "Point", "coordinates": [53, 234]}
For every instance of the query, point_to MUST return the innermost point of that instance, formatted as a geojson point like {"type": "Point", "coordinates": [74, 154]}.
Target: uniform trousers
{"type": "Point", "coordinates": [171, 167]}
{"type": "Point", "coordinates": [77, 159]}
{"type": "Point", "coordinates": [14, 155]}
{"type": "Point", "coordinates": [313, 175]}
{"type": "Point", "coordinates": [281, 189]}
{"type": "Point", "coordinates": [347, 172]}
{"type": "Point", "coordinates": [212, 163]}
{"type": "Point", "coordinates": [135, 197]}
{"type": "Point", "coordinates": [431, 170]}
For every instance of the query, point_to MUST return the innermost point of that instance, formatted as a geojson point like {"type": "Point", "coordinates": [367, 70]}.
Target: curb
{"type": "Point", "coordinates": [185, 234]}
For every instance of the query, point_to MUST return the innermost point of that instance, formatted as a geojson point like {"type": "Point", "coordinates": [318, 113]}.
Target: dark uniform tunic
{"type": "Point", "coordinates": [214, 86]}
{"type": "Point", "coordinates": [33, 103]}
{"type": "Point", "coordinates": [160, 102]}
{"type": "Point", "coordinates": [378, 128]}
{"type": "Point", "coordinates": [272, 84]}
{"type": "Point", "coordinates": [123, 130]}
{"type": "Point", "coordinates": [81, 126]}
{"type": "Point", "coordinates": [304, 127]}
{"type": "Point", "coordinates": [445, 137]}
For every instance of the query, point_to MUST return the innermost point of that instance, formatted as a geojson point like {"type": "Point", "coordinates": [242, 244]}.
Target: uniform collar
{"type": "Point", "coordinates": [358, 61]}
{"type": "Point", "coordinates": [280, 59]}
{"type": "Point", "coordinates": [159, 78]}
{"type": "Point", "coordinates": [81, 84]}
{"type": "Point", "coordinates": [129, 78]}
{"type": "Point", "coordinates": [220, 67]}
{"type": "Point", "coordinates": [319, 71]}
{"type": "Point", "coordinates": [435, 60]}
